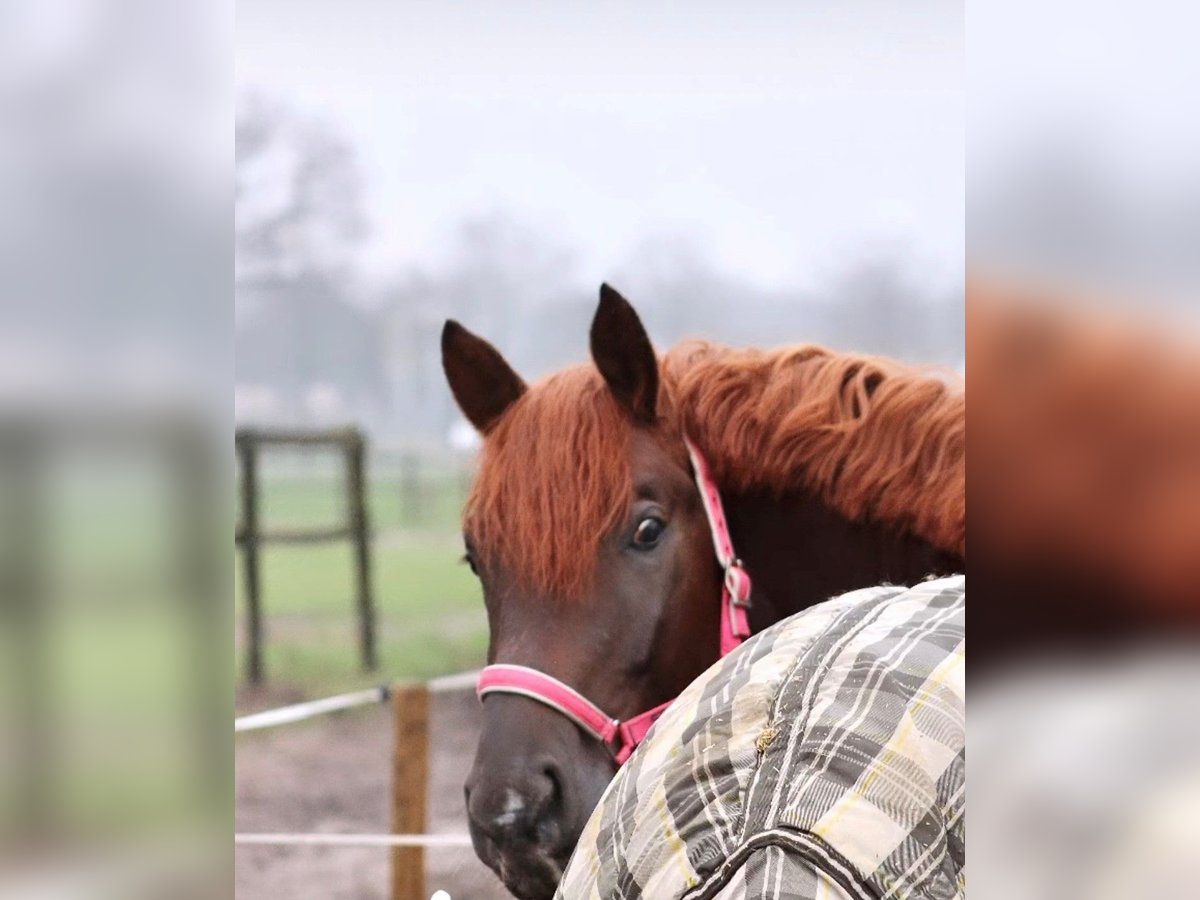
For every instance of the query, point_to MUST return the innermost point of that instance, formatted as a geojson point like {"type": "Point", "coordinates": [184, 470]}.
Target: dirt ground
{"type": "Point", "coordinates": [332, 774]}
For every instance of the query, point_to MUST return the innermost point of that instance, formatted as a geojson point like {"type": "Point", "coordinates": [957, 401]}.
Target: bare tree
{"type": "Point", "coordinates": [299, 222]}
{"type": "Point", "coordinates": [298, 211]}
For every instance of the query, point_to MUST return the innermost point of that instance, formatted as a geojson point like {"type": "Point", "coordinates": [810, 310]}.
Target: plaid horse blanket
{"type": "Point", "coordinates": [825, 758]}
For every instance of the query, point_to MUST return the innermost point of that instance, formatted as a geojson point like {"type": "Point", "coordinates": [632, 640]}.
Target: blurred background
{"type": "Point", "coordinates": [116, 174]}
{"type": "Point", "coordinates": [1083, 227]}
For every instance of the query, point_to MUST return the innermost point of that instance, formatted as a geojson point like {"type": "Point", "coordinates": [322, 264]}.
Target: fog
{"type": "Point", "coordinates": [398, 165]}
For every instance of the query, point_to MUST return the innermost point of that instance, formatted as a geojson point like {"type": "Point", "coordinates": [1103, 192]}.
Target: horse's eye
{"type": "Point", "coordinates": [648, 532]}
{"type": "Point", "coordinates": [469, 559]}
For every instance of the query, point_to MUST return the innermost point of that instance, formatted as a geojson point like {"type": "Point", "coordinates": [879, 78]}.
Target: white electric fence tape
{"type": "Point", "coordinates": [299, 711]}
{"type": "Point", "coordinates": [355, 840]}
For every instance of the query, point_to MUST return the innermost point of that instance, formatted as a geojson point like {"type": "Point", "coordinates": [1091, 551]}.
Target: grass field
{"type": "Point", "coordinates": [429, 612]}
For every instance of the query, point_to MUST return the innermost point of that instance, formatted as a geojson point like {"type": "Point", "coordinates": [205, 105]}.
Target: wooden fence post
{"type": "Point", "coordinates": [360, 531]}
{"type": "Point", "coordinates": [410, 775]}
{"type": "Point", "coordinates": [247, 450]}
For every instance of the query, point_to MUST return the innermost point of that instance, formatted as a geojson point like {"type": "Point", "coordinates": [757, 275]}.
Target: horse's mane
{"type": "Point", "coordinates": [876, 440]}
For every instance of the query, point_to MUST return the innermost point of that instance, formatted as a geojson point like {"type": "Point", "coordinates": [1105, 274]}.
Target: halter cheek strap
{"type": "Point", "coordinates": [622, 737]}
{"type": "Point", "coordinates": [735, 588]}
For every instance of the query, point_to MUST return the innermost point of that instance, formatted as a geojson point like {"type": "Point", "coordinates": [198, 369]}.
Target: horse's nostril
{"type": "Point", "coordinates": [526, 811]}
{"type": "Point", "coordinates": [552, 774]}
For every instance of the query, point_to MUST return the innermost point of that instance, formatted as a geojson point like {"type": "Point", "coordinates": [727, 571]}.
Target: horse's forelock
{"type": "Point", "coordinates": [554, 478]}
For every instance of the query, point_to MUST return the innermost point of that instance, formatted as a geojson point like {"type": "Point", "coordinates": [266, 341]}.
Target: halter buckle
{"type": "Point", "coordinates": [737, 583]}
{"type": "Point", "coordinates": [617, 741]}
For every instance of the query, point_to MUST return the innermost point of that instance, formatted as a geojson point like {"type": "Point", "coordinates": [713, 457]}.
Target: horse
{"type": "Point", "coordinates": [595, 547]}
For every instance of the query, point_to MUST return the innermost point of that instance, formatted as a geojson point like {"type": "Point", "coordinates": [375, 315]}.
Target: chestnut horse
{"type": "Point", "coordinates": [591, 541]}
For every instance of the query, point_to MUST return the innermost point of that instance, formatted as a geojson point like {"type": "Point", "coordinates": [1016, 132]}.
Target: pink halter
{"type": "Point", "coordinates": [622, 737]}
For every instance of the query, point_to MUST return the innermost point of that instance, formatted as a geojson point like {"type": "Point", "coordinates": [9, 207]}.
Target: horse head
{"type": "Point", "coordinates": [592, 546]}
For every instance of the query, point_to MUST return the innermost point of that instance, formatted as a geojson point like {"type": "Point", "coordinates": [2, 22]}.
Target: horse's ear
{"type": "Point", "coordinates": [483, 384]}
{"type": "Point", "coordinates": [624, 355]}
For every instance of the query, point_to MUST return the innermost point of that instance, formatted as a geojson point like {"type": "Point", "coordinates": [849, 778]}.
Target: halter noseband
{"type": "Point", "coordinates": [622, 737]}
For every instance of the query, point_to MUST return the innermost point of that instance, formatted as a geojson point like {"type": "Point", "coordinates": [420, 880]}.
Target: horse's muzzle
{"type": "Point", "coordinates": [519, 832]}
{"type": "Point", "coordinates": [525, 870]}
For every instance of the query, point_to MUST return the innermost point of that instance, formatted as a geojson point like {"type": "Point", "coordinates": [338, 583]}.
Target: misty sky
{"type": "Point", "coordinates": [783, 140]}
